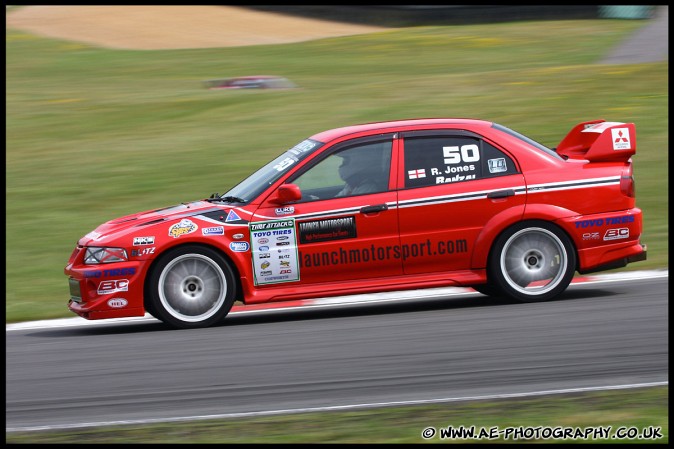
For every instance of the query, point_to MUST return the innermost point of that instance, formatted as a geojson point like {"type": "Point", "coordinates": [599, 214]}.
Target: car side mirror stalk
{"type": "Point", "coordinates": [287, 193]}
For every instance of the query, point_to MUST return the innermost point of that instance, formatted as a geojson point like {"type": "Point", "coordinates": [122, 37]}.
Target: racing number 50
{"type": "Point", "coordinates": [456, 155]}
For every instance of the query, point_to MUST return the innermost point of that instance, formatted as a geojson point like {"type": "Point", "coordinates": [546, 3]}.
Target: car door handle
{"type": "Point", "coordinates": [501, 193]}
{"type": "Point", "coordinates": [373, 209]}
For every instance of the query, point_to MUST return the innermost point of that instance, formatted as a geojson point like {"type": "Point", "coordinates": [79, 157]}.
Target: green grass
{"type": "Point", "coordinates": [93, 134]}
{"type": "Point", "coordinates": [639, 409]}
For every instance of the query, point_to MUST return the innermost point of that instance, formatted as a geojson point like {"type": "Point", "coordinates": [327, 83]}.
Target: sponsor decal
{"type": "Point", "coordinates": [617, 233]}
{"type": "Point", "coordinates": [275, 232]}
{"type": "Point", "coordinates": [184, 227]}
{"type": "Point", "coordinates": [117, 303]}
{"type": "Point", "coordinates": [497, 165]}
{"type": "Point", "coordinates": [285, 210]}
{"type": "Point", "coordinates": [239, 247]}
{"type": "Point", "coordinates": [624, 219]}
{"type": "Point", "coordinates": [109, 273]}
{"type": "Point", "coordinates": [214, 230]}
{"type": "Point", "coordinates": [591, 236]}
{"type": "Point", "coordinates": [266, 269]}
{"type": "Point", "coordinates": [218, 216]}
{"type": "Point", "coordinates": [138, 241]}
{"type": "Point", "coordinates": [303, 147]}
{"type": "Point", "coordinates": [416, 174]}
{"type": "Point", "coordinates": [457, 178]}
{"type": "Point", "coordinates": [328, 229]}
{"type": "Point", "coordinates": [113, 286]}
{"type": "Point", "coordinates": [232, 216]}
{"type": "Point", "coordinates": [285, 271]}
{"type": "Point", "coordinates": [268, 225]}
{"type": "Point", "coordinates": [374, 254]}
{"type": "Point", "coordinates": [281, 278]}
{"type": "Point", "coordinates": [621, 138]}
{"type": "Point", "coordinates": [142, 252]}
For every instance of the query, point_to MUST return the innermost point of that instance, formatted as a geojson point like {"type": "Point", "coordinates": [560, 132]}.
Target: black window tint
{"type": "Point", "coordinates": [495, 162]}
{"type": "Point", "coordinates": [441, 160]}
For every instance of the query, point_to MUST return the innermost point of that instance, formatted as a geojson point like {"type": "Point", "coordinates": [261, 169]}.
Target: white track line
{"type": "Point", "coordinates": [371, 298]}
{"type": "Point", "coordinates": [333, 408]}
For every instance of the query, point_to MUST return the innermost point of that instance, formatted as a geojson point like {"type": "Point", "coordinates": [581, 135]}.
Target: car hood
{"type": "Point", "coordinates": [137, 222]}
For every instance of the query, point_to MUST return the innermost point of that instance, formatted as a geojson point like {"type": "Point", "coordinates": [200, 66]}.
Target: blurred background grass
{"type": "Point", "coordinates": [93, 134]}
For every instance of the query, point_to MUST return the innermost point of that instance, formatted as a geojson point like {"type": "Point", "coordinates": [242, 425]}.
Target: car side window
{"type": "Point", "coordinates": [434, 160]}
{"type": "Point", "coordinates": [353, 170]}
{"type": "Point", "coordinates": [495, 162]}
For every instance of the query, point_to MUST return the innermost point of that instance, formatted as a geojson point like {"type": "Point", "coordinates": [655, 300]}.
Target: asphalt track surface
{"type": "Point", "coordinates": [603, 334]}
{"type": "Point", "coordinates": [649, 43]}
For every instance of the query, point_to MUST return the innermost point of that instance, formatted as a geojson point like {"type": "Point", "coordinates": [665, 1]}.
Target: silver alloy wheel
{"type": "Point", "coordinates": [192, 287]}
{"type": "Point", "coordinates": [533, 261]}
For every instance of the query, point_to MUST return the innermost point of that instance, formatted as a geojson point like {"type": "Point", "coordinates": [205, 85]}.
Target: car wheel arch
{"type": "Point", "coordinates": [490, 231]}
{"type": "Point", "coordinates": [554, 215]}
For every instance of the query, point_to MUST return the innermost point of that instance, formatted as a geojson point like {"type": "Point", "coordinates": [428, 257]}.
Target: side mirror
{"type": "Point", "coordinates": [287, 193]}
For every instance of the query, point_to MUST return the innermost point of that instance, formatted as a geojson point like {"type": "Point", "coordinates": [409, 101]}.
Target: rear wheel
{"type": "Point", "coordinates": [532, 261]}
{"type": "Point", "coordinates": [190, 287]}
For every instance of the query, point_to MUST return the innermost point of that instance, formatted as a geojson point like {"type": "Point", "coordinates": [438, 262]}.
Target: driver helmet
{"type": "Point", "coordinates": [359, 163]}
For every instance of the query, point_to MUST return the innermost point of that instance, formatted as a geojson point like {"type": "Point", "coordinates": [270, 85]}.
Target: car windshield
{"type": "Point", "coordinates": [251, 187]}
{"type": "Point", "coordinates": [528, 140]}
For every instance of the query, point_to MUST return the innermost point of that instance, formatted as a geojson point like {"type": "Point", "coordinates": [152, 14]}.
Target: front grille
{"type": "Point", "coordinates": [75, 293]}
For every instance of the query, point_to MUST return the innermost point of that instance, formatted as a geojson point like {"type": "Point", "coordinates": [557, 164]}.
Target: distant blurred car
{"type": "Point", "coordinates": [251, 82]}
{"type": "Point", "coordinates": [376, 207]}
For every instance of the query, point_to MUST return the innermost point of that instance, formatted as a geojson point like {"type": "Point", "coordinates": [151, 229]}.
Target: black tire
{"type": "Point", "coordinates": [190, 287]}
{"type": "Point", "coordinates": [532, 261]}
{"type": "Point", "coordinates": [487, 289]}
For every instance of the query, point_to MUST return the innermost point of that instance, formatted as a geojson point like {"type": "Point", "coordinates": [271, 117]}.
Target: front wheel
{"type": "Point", "coordinates": [532, 261]}
{"type": "Point", "coordinates": [487, 289]}
{"type": "Point", "coordinates": [190, 287]}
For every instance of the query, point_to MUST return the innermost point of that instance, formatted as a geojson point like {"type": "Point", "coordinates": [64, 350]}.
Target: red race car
{"type": "Point", "coordinates": [376, 207]}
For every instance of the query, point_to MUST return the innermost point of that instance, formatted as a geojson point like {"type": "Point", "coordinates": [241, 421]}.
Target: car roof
{"type": "Point", "coordinates": [399, 125]}
{"type": "Point", "coordinates": [254, 77]}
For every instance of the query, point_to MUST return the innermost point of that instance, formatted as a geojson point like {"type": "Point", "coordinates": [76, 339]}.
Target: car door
{"type": "Point", "coordinates": [453, 183]}
{"type": "Point", "coordinates": [334, 235]}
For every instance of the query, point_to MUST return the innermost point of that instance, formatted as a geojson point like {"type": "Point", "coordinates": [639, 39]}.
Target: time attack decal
{"type": "Point", "coordinates": [274, 246]}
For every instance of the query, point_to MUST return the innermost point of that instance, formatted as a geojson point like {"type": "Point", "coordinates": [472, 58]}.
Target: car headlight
{"type": "Point", "coordinates": [95, 255]}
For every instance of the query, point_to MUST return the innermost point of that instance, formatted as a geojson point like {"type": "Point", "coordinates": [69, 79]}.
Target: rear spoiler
{"type": "Point", "coordinates": [600, 141]}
